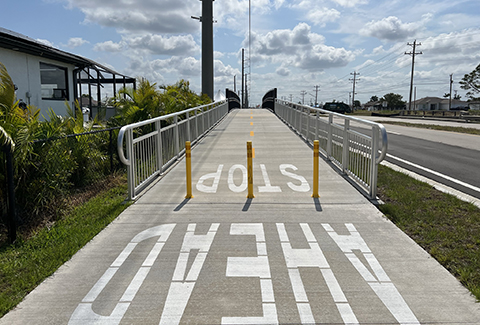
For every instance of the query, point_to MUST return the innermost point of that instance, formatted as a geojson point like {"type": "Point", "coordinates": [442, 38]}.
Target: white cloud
{"type": "Point", "coordinates": [45, 42]}
{"type": "Point", "coordinates": [299, 48]}
{"type": "Point", "coordinates": [109, 46]}
{"type": "Point", "coordinates": [161, 16]}
{"type": "Point", "coordinates": [351, 3]}
{"type": "Point", "coordinates": [76, 42]}
{"type": "Point", "coordinates": [390, 29]}
{"type": "Point", "coordinates": [183, 45]}
{"type": "Point", "coordinates": [282, 71]}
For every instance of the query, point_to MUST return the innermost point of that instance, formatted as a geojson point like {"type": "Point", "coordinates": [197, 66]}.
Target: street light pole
{"type": "Point", "coordinates": [207, 48]}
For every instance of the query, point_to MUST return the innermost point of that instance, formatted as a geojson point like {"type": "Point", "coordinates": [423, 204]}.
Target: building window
{"type": "Point", "coordinates": [54, 82]}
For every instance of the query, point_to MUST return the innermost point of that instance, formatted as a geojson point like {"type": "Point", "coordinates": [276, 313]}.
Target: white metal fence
{"type": "Point", "coordinates": [356, 153]}
{"type": "Point", "coordinates": [151, 146]}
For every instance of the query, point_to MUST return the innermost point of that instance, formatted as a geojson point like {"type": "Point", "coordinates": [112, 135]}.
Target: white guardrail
{"type": "Point", "coordinates": [355, 153]}
{"type": "Point", "coordinates": [151, 146]}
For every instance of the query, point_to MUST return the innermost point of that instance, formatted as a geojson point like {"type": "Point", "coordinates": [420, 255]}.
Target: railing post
{"type": "Point", "coordinates": [308, 124]}
{"type": "Point", "coordinates": [316, 148]}
{"type": "Point", "coordinates": [189, 138]}
{"type": "Point", "coordinates": [196, 124]}
{"type": "Point", "coordinates": [176, 137]}
{"type": "Point", "coordinates": [346, 146]}
{"type": "Point", "coordinates": [131, 167]}
{"type": "Point", "coordinates": [188, 165]}
{"type": "Point", "coordinates": [317, 117]}
{"type": "Point", "coordinates": [374, 166]}
{"type": "Point", "coordinates": [330, 136]}
{"type": "Point", "coordinates": [158, 128]}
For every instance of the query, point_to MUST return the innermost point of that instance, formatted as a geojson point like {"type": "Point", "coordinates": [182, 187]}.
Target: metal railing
{"type": "Point", "coordinates": [153, 145]}
{"type": "Point", "coordinates": [355, 153]}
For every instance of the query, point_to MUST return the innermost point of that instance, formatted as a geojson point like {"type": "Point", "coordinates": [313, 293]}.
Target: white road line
{"type": "Point", "coordinates": [451, 179]}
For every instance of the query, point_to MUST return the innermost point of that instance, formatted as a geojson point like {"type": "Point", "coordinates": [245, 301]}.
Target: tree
{"type": "Point", "coordinates": [374, 99]}
{"type": "Point", "coordinates": [357, 103]}
{"type": "Point", "coordinates": [394, 101]}
{"type": "Point", "coordinates": [471, 82]}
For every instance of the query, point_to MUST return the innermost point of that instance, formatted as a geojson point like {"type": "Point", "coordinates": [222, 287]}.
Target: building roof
{"type": "Point", "coordinates": [17, 42]}
{"type": "Point", "coordinates": [436, 100]}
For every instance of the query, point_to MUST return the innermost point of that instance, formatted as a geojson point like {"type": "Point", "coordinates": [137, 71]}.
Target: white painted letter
{"type": "Point", "coordinates": [378, 281]}
{"type": "Point", "coordinates": [84, 313]}
{"type": "Point", "coordinates": [268, 187]}
{"type": "Point", "coordinates": [183, 282]}
{"type": "Point", "coordinates": [253, 267]}
{"type": "Point", "coordinates": [231, 184]}
{"type": "Point", "coordinates": [216, 179]}
{"type": "Point", "coordinates": [303, 187]}
{"type": "Point", "coordinates": [311, 257]}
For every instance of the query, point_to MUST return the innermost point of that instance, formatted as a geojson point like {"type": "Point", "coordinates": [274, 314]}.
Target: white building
{"type": "Point", "coordinates": [438, 104]}
{"type": "Point", "coordinates": [48, 77]}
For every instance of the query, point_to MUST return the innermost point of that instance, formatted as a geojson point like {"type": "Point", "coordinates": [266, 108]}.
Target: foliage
{"type": "Point", "coordinates": [29, 261]}
{"type": "Point", "coordinates": [148, 102]}
{"type": "Point", "coordinates": [46, 170]}
{"type": "Point", "coordinates": [471, 82]}
{"type": "Point", "coordinates": [394, 101]}
{"type": "Point", "coordinates": [374, 99]}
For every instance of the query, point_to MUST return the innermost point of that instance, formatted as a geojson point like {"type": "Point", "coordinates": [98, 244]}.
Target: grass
{"type": "Point", "coordinates": [457, 129]}
{"type": "Point", "coordinates": [28, 262]}
{"type": "Point", "coordinates": [446, 227]}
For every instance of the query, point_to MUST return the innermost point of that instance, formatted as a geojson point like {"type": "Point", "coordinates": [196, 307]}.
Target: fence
{"type": "Point", "coordinates": [355, 153]}
{"type": "Point", "coordinates": [48, 175]}
{"type": "Point", "coordinates": [151, 146]}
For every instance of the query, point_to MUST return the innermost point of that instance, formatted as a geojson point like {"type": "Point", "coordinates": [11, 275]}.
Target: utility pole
{"type": "Point", "coordinates": [413, 53]}
{"type": "Point", "coordinates": [303, 93]}
{"type": "Point", "coordinates": [207, 47]}
{"type": "Point", "coordinates": [316, 94]}
{"type": "Point", "coordinates": [243, 78]}
{"type": "Point", "coordinates": [354, 74]}
{"type": "Point", "coordinates": [450, 99]}
{"type": "Point", "coordinates": [291, 97]}
{"type": "Point", "coordinates": [235, 83]}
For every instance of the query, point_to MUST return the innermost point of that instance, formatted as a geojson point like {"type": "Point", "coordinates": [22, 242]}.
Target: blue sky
{"type": "Point", "coordinates": [296, 44]}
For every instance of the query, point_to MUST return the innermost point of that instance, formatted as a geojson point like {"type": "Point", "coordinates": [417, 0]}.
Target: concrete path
{"type": "Point", "coordinates": [281, 257]}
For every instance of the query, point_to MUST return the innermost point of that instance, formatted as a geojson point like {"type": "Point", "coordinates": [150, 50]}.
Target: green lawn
{"type": "Point", "coordinates": [28, 262]}
{"type": "Point", "coordinates": [446, 227]}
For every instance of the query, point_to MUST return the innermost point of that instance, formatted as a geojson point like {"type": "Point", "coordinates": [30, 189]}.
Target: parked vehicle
{"type": "Point", "coordinates": [337, 107]}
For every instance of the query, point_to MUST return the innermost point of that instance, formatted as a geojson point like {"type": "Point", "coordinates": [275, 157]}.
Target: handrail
{"type": "Point", "coordinates": [379, 126]}
{"type": "Point", "coordinates": [355, 153]}
{"type": "Point", "coordinates": [148, 155]}
{"type": "Point", "coordinates": [121, 133]}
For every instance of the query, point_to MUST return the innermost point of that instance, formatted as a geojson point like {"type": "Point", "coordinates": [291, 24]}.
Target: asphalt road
{"type": "Point", "coordinates": [432, 154]}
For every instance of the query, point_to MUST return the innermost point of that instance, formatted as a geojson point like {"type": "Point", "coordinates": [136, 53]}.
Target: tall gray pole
{"type": "Point", "coordinates": [207, 48]}
{"type": "Point", "coordinates": [413, 53]}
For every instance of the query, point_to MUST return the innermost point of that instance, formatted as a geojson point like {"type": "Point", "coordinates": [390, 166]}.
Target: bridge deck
{"type": "Point", "coordinates": [282, 257]}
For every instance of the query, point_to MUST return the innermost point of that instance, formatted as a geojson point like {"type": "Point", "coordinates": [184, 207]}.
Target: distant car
{"type": "Point", "coordinates": [337, 107]}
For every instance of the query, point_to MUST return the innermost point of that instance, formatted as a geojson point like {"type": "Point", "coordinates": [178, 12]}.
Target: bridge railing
{"type": "Point", "coordinates": [149, 147]}
{"type": "Point", "coordinates": [356, 153]}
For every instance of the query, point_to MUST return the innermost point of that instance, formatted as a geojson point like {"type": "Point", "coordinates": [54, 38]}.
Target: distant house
{"type": "Point", "coordinates": [373, 106]}
{"type": "Point", "coordinates": [437, 103]}
{"type": "Point", "coordinates": [48, 77]}
{"type": "Point", "coordinates": [475, 105]}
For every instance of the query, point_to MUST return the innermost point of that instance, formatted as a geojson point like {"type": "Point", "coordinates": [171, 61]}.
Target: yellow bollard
{"type": "Point", "coordinates": [188, 162]}
{"type": "Point", "coordinates": [250, 170]}
{"type": "Point", "coordinates": [316, 146]}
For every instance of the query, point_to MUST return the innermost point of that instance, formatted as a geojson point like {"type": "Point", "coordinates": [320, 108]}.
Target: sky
{"type": "Point", "coordinates": [309, 47]}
